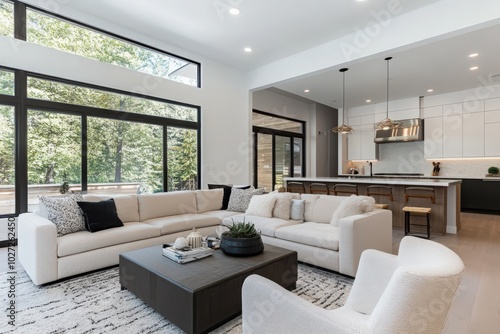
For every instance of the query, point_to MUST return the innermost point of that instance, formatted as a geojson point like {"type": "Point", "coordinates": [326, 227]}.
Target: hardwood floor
{"type": "Point", "coordinates": [476, 308]}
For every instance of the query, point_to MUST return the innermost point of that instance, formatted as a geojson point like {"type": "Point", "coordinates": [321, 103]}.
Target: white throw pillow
{"type": "Point", "coordinates": [352, 205]}
{"type": "Point", "coordinates": [297, 209]}
{"type": "Point", "coordinates": [261, 205]}
{"type": "Point", "coordinates": [65, 213]}
{"type": "Point", "coordinates": [240, 198]}
{"type": "Point", "coordinates": [283, 204]}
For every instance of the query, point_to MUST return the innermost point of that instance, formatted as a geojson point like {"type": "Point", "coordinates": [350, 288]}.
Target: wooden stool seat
{"type": "Point", "coordinates": [416, 209]}
{"type": "Point", "coordinates": [381, 206]}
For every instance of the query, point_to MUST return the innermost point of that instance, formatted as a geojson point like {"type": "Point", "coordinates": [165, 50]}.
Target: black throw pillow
{"type": "Point", "coordinates": [100, 216]}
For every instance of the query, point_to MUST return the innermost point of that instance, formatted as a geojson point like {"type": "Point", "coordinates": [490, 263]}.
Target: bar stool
{"type": "Point", "coordinates": [342, 188]}
{"type": "Point", "coordinates": [418, 192]}
{"type": "Point", "coordinates": [295, 187]}
{"type": "Point", "coordinates": [379, 190]}
{"type": "Point", "coordinates": [319, 188]}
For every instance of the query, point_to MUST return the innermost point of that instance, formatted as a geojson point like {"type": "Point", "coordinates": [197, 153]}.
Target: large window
{"type": "Point", "coordinates": [182, 159]}
{"type": "Point", "coordinates": [6, 18]}
{"type": "Point", "coordinates": [70, 37]}
{"type": "Point", "coordinates": [7, 161]}
{"type": "Point", "coordinates": [279, 149]}
{"type": "Point", "coordinates": [6, 82]}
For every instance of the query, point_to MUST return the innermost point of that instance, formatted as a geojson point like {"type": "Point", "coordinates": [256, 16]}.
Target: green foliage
{"type": "Point", "coordinates": [241, 230]}
{"type": "Point", "coordinates": [6, 19]}
{"type": "Point", "coordinates": [493, 170]}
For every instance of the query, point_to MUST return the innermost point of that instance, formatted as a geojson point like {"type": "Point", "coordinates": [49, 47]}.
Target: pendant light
{"type": "Point", "coordinates": [387, 123]}
{"type": "Point", "coordinates": [343, 129]}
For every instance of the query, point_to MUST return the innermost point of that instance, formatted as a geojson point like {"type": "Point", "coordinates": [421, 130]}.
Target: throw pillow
{"type": "Point", "coordinates": [352, 205]}
{"type": "Point", "coordinates": [227, 193]}
{"type": "Point", "coordinates": [64, 213]}
{"type": "Point", "coordinates": [297, 209]}
{"type": "Point", "coordinates": [100, 215]}
{"type": "Point", "coordinates": [240, 198]}
{"type": "Point", "coordinates": [283, 204]}
{"type": "Point", "coordinates": [261, 205]}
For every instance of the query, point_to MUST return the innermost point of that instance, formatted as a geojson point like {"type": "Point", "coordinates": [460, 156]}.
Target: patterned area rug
{"type": "Point", "coordinates": [94, 303]}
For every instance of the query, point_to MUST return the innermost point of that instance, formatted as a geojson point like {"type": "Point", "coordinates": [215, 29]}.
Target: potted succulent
{"type": "Point", "coordinates": [493, 170]}
{"type": "Point", "coordinates": [241, 239]}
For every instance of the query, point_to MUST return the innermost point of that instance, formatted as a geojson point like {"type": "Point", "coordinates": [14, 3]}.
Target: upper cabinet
{"type": "Point", "coordinates": [360, 144]}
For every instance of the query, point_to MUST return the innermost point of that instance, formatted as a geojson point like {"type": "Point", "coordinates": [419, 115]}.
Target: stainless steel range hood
{"type": "Point", "coordinates": [409, 130]}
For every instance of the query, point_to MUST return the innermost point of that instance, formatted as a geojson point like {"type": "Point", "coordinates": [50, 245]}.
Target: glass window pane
{"type": "Point", "coordinates": [69, 37]}
{"type": "Point", "coordinates": [7, 162]}
{"type": "Point", "coordinates": [124, 157]}
{"type": "Point", "coordinates": [6, 82]}
{"type": "Point", "coordinates": [265, 161]}
{"type": "Point", "coordinates": [60, 92]}
{"type": "Point", "coordinates": [54, 154]}
{"type": "Point", "coordinates": [6, 18]}
{"type": "Point", "coordinates": [276, 123]}
{"type": "Point", "coordinates": [283, 161]}
{"type": "Point", "coordinates": [297, 157]}
{"type": "Point", "coordinates": [182, 159]}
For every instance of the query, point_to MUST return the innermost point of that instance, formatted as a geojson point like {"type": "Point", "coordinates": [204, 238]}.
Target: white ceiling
{"type": "Point", "coordinates": [277, 29]}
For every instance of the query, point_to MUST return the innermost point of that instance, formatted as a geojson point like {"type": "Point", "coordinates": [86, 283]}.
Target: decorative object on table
{"type": "Point", "coordinates": [242, 239]}
{"type": "Point", "coordinates": [180, 243]}
{"type": "Point", "coordinates": [493, 171]}
{"type": "Point", "coordinates": [194, 239]}
{"type": "Point", "coordinates": [187, 254]}
{"type": "Point", "coordinates": [436, 169]}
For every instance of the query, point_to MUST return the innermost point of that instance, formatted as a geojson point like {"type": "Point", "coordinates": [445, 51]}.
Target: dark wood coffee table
{"type": "Point", "coordinates": [201, 295]}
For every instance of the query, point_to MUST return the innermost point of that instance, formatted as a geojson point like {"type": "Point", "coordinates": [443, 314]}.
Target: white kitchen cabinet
{"type": "Point", "coordinates": [492, 139]}
{"type": "Point", "coordinates": [354, 145]}
{"type": "Point", "coordinates": [452, 136]}
{"type": "Point", "coordinates": [433, 137]}
{"type": "Point", "coordinates": [368, 146]}
{"type": "Point", "coordinates": [473, 134]}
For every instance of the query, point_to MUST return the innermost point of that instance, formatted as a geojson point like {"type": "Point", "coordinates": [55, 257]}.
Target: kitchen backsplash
{"type": "Point", "coordinates": [409, 158]}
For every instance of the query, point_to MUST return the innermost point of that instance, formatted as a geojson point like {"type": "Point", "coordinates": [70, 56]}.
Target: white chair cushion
{"type": "Point", "coordinates": [261, 205]}
{"type": "Point", "coordinates": [126, 205]}
{"type": "Point", "coordinates": [313, 234]}
{"type": "Point", "coordinates": [209, 200]}
{"type": "Point", "coordinates": [166, 204]}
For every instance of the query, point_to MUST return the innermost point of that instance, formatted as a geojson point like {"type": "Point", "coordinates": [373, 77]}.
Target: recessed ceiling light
{"type": "Point", "coordinates": [473, 68]}
{"type": "Point", "coordinates": [472, 55]}
{"type": "Point", "coordinates": [430, 90]}
{"type": "Point", "coordinates": [306, 90]}
{"type": "Point", "coordinates": [248, 49]}
{"type": "Point", "coordinates": [368, 101]}
{"type": "Point", "coordinates": [234, 11]}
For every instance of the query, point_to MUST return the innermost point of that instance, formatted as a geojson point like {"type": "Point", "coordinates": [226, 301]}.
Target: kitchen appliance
{"type": "Point", "coordinates": [409, 130]}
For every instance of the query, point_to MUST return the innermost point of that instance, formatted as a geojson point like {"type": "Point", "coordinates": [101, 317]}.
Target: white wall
{"type": "Point", "coordinates": [223, 98]}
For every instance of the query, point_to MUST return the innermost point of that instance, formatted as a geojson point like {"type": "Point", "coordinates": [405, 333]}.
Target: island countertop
{"type": "Point", "coordinates": [377, 180]}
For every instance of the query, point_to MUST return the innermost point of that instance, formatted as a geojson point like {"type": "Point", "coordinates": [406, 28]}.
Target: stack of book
{"type": "Point", "coordinates": [186, 255]}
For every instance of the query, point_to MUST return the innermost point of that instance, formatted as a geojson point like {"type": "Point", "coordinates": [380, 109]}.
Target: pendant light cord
{"type": "Point", "coordinates": [387, 59]}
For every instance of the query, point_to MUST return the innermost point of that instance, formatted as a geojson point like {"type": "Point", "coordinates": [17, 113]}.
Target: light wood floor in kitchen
{"type": "Point", "coordinates": [476, 308]}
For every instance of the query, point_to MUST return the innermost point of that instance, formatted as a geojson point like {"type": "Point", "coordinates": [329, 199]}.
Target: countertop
{"type": "Point", "coordinates": [380, 180]}
{"type": "Point", "coordinates": [430, 177]}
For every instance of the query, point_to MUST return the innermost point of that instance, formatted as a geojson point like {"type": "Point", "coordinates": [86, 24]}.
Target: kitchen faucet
{"type": "Point", "coordinates": [370, 163]}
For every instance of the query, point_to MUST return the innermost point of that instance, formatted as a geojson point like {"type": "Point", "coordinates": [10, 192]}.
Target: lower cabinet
{"type": "Point", "coordinates": [480, 195]}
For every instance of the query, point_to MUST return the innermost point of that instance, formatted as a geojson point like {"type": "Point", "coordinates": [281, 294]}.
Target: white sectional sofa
{"type": "Point", "coordinates": [335, 245]}
{"type": "Point", "coordinates": [153, 219]}
{"type": "Point", "coordinates": [148, 219]}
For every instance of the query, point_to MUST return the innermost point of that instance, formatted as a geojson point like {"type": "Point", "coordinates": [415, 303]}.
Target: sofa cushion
{"type": "Point", "coordinates": [85, 241]}
{"type": "Point", "coordinates": [209, 200]}
{"type": "Point", "coordinates": [266, 226]}
{"type": "Point", "coordinates": [283, 205]}
{"type": "Point", "coordinates": [64, 212]}
{"type": "Point", "coordinates": [313, 234]}
{"type": "Point", "coordinates": [166, 204]}
{"type": "Point", "coordinates": [185, 222]}
{"type": "Point", "coordinates": [240, 198]}
{"type": "Point", "coordinates": [352, 205]}
{"type": "Point", "coordinates": [321, 210]}
{"type": "Point", "coordinates": [126, 205]}
{"type": "Point", "coordinates": [297, 209]}
{"type": "Point", "coordinates": [220, 214]}
{"type": "Point", "coordinates": [261, 205]}
{"type": "Point", "coordinates": [100, 215]}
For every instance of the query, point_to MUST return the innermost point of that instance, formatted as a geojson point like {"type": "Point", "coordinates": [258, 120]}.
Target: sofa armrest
{"type": "Point", "coordinates": [37, 247]}
{"type": "Point", "coordinates": [371, 230]}
{"type": "Point", "coordinates": [268, 308]}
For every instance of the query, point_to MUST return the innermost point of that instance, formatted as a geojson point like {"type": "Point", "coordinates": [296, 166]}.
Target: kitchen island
{"type": "Point", "coordinates": [445, 214]}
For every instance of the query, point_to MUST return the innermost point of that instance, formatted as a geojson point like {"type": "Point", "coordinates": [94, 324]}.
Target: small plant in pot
{"type": "Point", "coordinates": [242, 239]}
{"type": "Point", "coordinates": [493, 170]}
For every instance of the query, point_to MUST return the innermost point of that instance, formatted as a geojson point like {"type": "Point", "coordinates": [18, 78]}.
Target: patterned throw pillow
{"type": "Point", "coordinates": [65, 213]}
{"type": "Point", "coordinates": [240, 198]}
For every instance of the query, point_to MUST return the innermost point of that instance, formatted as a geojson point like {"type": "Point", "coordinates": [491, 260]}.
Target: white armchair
{"type": "Point", "coordinates": [407, 293]}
